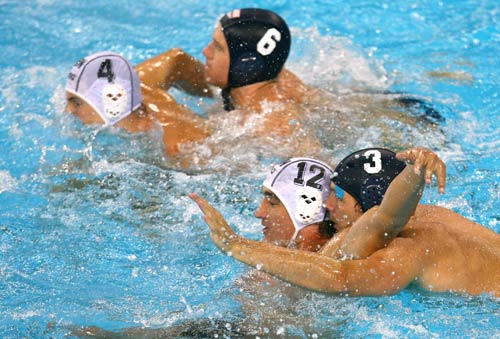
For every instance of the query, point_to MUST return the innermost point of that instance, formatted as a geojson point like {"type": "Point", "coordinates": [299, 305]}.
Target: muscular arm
{"type": "Point", "coordinates": [376, 228]}
{"type": "Point", "coordinates": [387, 271]}
{"type": "Point", "coordinates": [174, 68]}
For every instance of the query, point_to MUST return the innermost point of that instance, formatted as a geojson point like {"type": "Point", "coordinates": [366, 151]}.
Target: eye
{"type": "Point", "coordinates": [109, 95]}
{"type": "Point", "coordinates": [217, 46]}
{"type": "Point", "coordinates": [75, 101]}
{"type": "Point", "coordinates": [272, 199]}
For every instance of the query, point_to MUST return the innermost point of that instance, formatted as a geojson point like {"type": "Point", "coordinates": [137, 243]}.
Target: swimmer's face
{"type": "Point", "coordinates": [343, 211]}
{"type": "Point", "coordinates": [217, 59]}
{"type": "Point", "coordinates": [278, 226]}
{"type": "Point", "coordinates": [75, 105]}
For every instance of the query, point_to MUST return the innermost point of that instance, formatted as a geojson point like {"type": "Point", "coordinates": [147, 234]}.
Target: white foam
{"type": "Point", "coordinates": [7, 182]}
{"type": "Point", "coordinates": [334, 60]}
{"type": "Point", "coordinates": [39, 75]}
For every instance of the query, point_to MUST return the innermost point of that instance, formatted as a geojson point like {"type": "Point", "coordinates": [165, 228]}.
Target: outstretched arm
{"type": "Point", "coordinates": [385, 272]}
{"type": "Point", "coordinates": [376, 228]}
{"type": "Point", "coordinates": [175, 68]}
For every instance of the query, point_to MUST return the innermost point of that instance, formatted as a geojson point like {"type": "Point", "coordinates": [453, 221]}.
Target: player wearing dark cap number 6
{"type": "Point", "coordinates": [246, 59]}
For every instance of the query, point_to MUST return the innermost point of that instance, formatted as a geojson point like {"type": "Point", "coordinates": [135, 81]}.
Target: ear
{"type": "Point", "coordinates": [247, 68]}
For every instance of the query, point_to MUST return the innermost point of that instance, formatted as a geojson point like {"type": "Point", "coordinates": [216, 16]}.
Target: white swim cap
{"type": "Point", "coordinates": [302, 185]}
{"type": "Point", "coordinates": [108, 83]}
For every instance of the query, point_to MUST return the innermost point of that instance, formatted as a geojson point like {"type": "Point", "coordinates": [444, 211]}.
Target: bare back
{"type": "Point", "coordinates": [458, 254]}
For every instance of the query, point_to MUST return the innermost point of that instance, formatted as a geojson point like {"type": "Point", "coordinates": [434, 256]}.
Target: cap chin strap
{"type": "Point", "coordinates": [292, 243]}
{"type": "Point", "coordinates": [226, 99]}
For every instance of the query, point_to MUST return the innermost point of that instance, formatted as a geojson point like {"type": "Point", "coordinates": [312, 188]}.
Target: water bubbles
{"type": "Point", "coordinates": [7, 182]}
{"type": "Point", "coordinates": [417, 16]}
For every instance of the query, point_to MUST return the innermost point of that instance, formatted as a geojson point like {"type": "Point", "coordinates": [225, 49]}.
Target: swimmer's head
{"type": "Point", "coordinates": [366, 175]}
{"type": "Point", "coordinates": [108, 83]}
{"type": "Point", "coordinates": [302, 185]}
{"type": "Point", "coordinates": [258, 41]}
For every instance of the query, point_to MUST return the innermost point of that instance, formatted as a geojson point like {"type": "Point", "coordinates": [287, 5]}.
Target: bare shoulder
{"type": "Point", "coordinates": [429, 214]}
{"type": "Point", "coordinates": [292, 88]}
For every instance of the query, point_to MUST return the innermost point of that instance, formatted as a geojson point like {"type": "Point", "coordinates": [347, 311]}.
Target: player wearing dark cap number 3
{"type": "Point", "coordinates": [396, 243]}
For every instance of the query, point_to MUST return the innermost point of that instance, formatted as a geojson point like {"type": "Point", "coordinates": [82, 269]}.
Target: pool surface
{"type": "Point", "coordinates": [96, 228]}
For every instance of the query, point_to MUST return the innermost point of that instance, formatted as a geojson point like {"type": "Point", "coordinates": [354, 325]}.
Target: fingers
{"type": "Point", "coordinates": [213, 218]}
{"type": "Point", "coordinates": [441, 177]}
{"type": "Point", "coordinates": [197, 199]}
{"type": "Point", "coordinates": [221, 233]}
{"type": "Point", "coordinates": [408, 156]}
{"type": "Point", "coordinates": [422, 158]}
{"type": "Point", "coordinates": [205, 207]}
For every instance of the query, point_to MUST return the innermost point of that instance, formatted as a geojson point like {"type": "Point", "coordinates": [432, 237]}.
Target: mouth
{"type": "Point", "coordinates": [206, 70]}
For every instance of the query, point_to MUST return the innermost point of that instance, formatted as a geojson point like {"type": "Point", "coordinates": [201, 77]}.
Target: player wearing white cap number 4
{"type": "Point", "coordinates": [104, 88]}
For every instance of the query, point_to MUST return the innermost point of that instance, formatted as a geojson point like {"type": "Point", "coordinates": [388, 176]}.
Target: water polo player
{"type": "Point", "coordinates": [250, 46]}
{"type": "Point", "coordinates": [104, 88]}
{"type": "Point", "coordinates": [396, 244]}
{"type": "Point", "coordinates": [293, 208]}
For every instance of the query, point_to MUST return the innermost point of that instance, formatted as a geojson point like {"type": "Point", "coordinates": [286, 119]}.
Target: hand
{"type": "Point", "coordinates": [424, 159]}
{"type": "Point", "coordinates": [220, 231]}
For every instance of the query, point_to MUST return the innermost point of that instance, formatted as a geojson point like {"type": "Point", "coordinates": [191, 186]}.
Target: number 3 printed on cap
{"type": "Point", "coordinates": [375, 161]}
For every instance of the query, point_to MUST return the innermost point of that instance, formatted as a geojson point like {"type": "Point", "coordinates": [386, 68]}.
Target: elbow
{"type": "Point", "coordinates": [328, 279]}
{"type": "Point", "coordinates": [391, 224]}
{"type": "Point", "coordinates": [177, 52]}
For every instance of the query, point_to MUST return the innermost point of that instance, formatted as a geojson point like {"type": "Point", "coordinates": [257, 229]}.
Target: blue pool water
{"type": "Point", "coordinates": [96, 228]}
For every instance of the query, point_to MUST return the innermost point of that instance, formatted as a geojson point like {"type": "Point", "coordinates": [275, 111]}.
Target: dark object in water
{"type": "Point", "coordinates": [419, 108]}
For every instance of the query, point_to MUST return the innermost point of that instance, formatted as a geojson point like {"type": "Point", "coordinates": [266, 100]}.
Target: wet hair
{"type": "Point", "coordinates": [327, 227]}
{"type": "Point", "coordinates": [366, 175]}
{"type": "Point", "coordinates": [259, 42]}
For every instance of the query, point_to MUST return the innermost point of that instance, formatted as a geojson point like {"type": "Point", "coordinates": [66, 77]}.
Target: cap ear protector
{"type": "Point", "coordinates": [258, 41]}
{"type": "Point", "coordinates": [366, 175]}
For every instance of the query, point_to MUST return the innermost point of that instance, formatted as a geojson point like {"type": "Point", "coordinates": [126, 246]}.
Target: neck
{"type": "Point", "coordinates": [137, 121]}
{"type": "Point", "coordinates": [251, 96]}
{"type": "Point", "coordinates": [311, 239]}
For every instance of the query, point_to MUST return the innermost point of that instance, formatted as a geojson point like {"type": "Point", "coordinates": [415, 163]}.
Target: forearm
{"type": "Point", "coordinates": [175, 67]}
{"type": "Point", "coordinates": [377, 227]}
{"type": "Point", "coordinates": [386, 272]}
{"type": "Point", "coordinates": [300, 268]}
{"type": "Point", "coordinates": [401, 199]}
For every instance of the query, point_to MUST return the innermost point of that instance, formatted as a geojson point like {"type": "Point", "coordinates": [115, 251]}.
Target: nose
{"type": "Point", "coordinates": [70, 108]}
{"type": "Point", "coordinates": [261, 212]}
{"type": "Point", "coordinates": [330, 202]}
{"type": "Point", "coordinates": [207, 51]}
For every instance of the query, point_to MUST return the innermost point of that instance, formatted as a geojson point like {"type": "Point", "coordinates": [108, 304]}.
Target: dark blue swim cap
{"type": "Point", "coordinates": [366, 175]}
{"type": "Point", "coordinates": [259, 42]}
